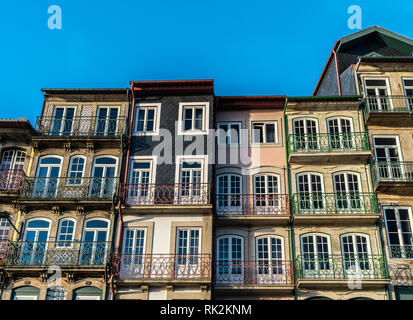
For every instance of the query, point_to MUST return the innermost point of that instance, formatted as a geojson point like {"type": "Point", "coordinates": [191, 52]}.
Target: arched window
{"type": "Point", "coordinates": [347, 189]}
{"type": "Point", "coordinates": [87, 293]}
{"type": "Point", "coordinates": [94, 242]}
{"type": "Point", "coordinates": [25, 293]}
{"type": "Point", "coordinates": [56, 293]}
{"type": "Point", "coordinates": [266, 193]}
{"type": "Point", "coordinates": [47, 177]}
{"type": "Point", "coordinates": [357, 259]}
{"type": "Point", "coordinates": [230, 259]}
{"type": "Point", "coordinates": [310, 189]}
{"type": "Point", "coordinates": [340, 131]}
{"type": "Point", "coordinates": [229, 198]}
{"type": "Point", "coordinates": [305, 135]}
{"type": "Point", "coordinates": [35, 241]}
{"type": "Point", "coordinates": [66, 232]}
{"type": "Point", "coordinates": [76, 170]}
{"type": "Point", "coordinates": [103, 173]}
{"type": "Point", "coordinates": [270, 260]}
{"type": "Point", "coordinates": [316, 260]}
{"type": "Point", "coordinates": [11, 169]}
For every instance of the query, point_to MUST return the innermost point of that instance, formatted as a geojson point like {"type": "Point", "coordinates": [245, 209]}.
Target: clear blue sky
{"type": "Point", "coordinates": [248, 47]}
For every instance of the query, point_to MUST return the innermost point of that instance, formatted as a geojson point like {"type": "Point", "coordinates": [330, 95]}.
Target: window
{"type": "Point", "coordinates": [34, 246]}
{"type": "Point", "coordinates": [305, 134]}
{"type": "Point", "coordinates": [340, 134]}
{"type": "Point", "coordinates": [408, 90]}
{"type": "Point", "coordinates": [76, 170]}
{"type": "Point", "coordinates": [56, 293]}
{"type": "Point", "coordinates": [229, 133]}
{"type": "Point", "coordinates": [264, 132]}
{"type": "Point", "coordinates": [378, 92]}
{"type": "Point", "coordinates": [62, 121]}
{"type": "Point", "coordinates": [65, 233]}
{"type": "Point", "coordinates": [188, 246]}
{"type": "Point", "coordinates": [347, 188]}
{"type": "Point", "coordinates": [399, 232]}
{"type": "Point", "coordinates": [315, 260]}
{"type": "Point", "coordinates": [192, 174]}
{"type": "Point", "coordinates": [94, 242]}
{"type": "Point", "coordinates": [106, 121]}
{"type": "Point", "coordinates": [229, 194]}
{"type": "Point", "coordinates": [141, 177]}
{"type": "Point", "coordinates": [270, 256]}
{"type": "Point", "coordinates": [87, 293]}
{"type": "Point", "coordinates": [12, 160]}
{"type": "Point", "coordinates": [4, 229]}
{"type": "Point", "coordinates": [194, 118]}
{"type": "Point", "coordinates": [230, 259]}
{"type": "Point", "coordinates": [133, 252]}
{"type": "Point", "coordinates": [266, 197]}
{"type": "Point", "coordinates": [356, 255]}
{"type": "Point", "coordinates": [47, 177]}
{"type": "Point", "coordinates": [25, 293]}
{"type": "Point", "coordinates": [103, 177]}
{"type": "Point", "coordinates": [310, 192]}
{"type": "Point", "coordinates": [147, 118]}
{"type": "Point", "coordinates": [388, 157]}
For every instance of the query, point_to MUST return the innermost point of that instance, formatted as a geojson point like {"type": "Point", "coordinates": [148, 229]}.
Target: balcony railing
{"type": "Point", "coordinates": [69, 188]}
{"type": "Point", "coordinates": [252, 204]}
{"type": "Point", "coordinates": [401, 252]}
{"type": "Point", "coordinates": [162, 266]}
{"type": "Point", "coordinates": [383, 171]}
{"type": "Point", "coordinates": [59, 253]}
{"type": "Point", "coordinates": [10, 180]}
{"type": "Point", "coordinates": [334, 203]}
{"type": "Point", "coordinates": [388, 104]}
{"type": "Point", "coordinates": [166, 194]}
{"type": "Point", "coordinates": [329, 142]}
{"type": "Point", "coordinates": [340, 267]}
{"type": "Point", "coordinates": [263, 272]}
{"type": "Point", "coordinates": [81, 126]}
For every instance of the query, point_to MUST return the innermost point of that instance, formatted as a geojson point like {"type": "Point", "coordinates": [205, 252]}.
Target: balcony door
{"type": "Point", "coordinates": [106, 121]}
{"type": "Point", "coordinates": [356, 256]}
{"type": "Point", "coordinates": [266, 194]}
{"type": "Point", "coordinates": [132, 261]}
{"type": "Point", "coordinates": [34, 245]}
{"type": "Point", "coordinates": [47, 177]}
{"type": "Point", "coordinates": [11, 169]}
{"type": "Point", "coordinates": [408, 91]}
{"type": "Point", "coordinates": [305, 131]}
{"type": "Point", "coordinates": [347, 192]}
{"type": "Point", "coordinates": [188, 248]}
{"type": "Point", "coordinates": [230, 260]}
{"type": "Point", "coordinates": [388, 158]}
{"type": "Point", "coordinates": [270, 260]}
{"type": "Point", "coordinates": [190, 182]}
{"type": "Point", "coordinates": [378, 92]}
{"type": "Point", "coordinates": [399, 231]}
{"type": "Point", "coordinates": [140, 191]}
{"type": "Point", "coordinates": [340, 134]}
{"type": "Point", "coordinates": [310, 190]}
{"type": "Point", "coordinates": [229, 189]}
{"type": "Point", "coordinates": [316, 261]}
{"type": "Point", "coordinates": [62, 121]}
{"type": "Point", "coordinates": [94, 242]}
{"type": "Point", "coordinates": [103, 177]}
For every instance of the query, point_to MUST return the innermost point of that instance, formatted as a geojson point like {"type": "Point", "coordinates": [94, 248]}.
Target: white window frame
{"type": "Point", "coordinates": [409, 99]}
{"type": "Point", "coordinates": [157, 119]}
{"type": "Point", "coordinates": [270, 277]}
{"type": "Point", "coordinates": [232, 278]}
{"type": "Point", "coordinates": [70, 167]}
{"type": "Point", "coordinates": [55, 107]}
{"type": "Point", "coordinates": [203, 159]}
{"type": "Point", "coordinates": [356, 252]}
{"type": "Point", "coordinates": [264, 122]}
{"type": "Point", "coordinates": [205, 122]}
{"type": "Point", "coordinates": [387, 87]}
{"type": "Point", "coordinates": [184, 268]}
{"type": "Point", "coordinates": [309, 272]}
{"type": "Point", "coordinates": [109, 107]}
{"type": "Point", "coordinates": [227, 133]}
{"type": "Point", "coordinates": [229, 209]}
{"type": "Point", "coordinates": [59, 230]}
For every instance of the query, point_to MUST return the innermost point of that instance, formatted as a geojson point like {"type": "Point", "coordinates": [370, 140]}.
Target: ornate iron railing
{"type": "Point", "coordinates": [401, 252]}
{"type": "Point", "coordinates": [69, 188]}
{"type": "Point", "coordinates": [328, 142]}
{"type": "Point", "coordinates": [81, 126]}
{"type": "Point", "coordinates": [334, 203]}
{"type": "Point", "coordinates": [268, 272]}
{"type": "Point", "coordinates": [383, 171]}
{"type": "Point", "coordinates": [162, 266]}
{"type": "Point", "coordinates": [10, 180]}
{"type": "Point", "coordinates": [147, 194]}
{"type": "Point", "coordinates": [252, 204]}
{"type": "Point", "coordinates": [59, 253]}
{"type": "Point", "coordinates": [388, 104]}
{"type": "Point", "coordinates": [339, 267]}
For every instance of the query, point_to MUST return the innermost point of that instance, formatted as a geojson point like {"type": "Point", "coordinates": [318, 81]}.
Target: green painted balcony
{"type": "Point", "coordinates": [388, 110]}
{"type": "Point", "coordinates": [328, 147]}
{"type": "Point", "coordinates": [392, 176]}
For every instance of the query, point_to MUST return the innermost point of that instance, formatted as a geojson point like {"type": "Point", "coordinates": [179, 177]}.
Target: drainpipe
{"type": "Point", "coordinates": [112, 228]}
{"type": "Point", "coordinates": [287, 172]}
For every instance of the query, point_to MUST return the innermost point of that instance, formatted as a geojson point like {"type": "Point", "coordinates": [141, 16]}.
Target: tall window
{"type": "Point", "coordinates": [340, 130]}
{"type": "Point", "coordinates": [356, 253]}
{"type": "Point", "coordinates": [229, 194]}
{"type": "Point", "coordinates": [194, 118]}
{"type": "Point", "coordinates": [76, 170]}
{"type": "Point", "coordinates": [47, 177]}
{"type": "Point", "coordinates": [269, 259]}
{"type": "Point", "coordinates": [140, 190]}
{"type": "Point", "coordinates": [266, 188]}
{"type": "Point", "coordinates": [264, 132]}
{"type": "Point", "coordinates": [133, 250]}
{"type": "Point", "coordinates": [106, 121]}
{"type": "Point", "coordinates": [191, 180]}
{"type": "Point", "coordinates": [230, 259]}
{"type": "Point", "coordinates": [315, 260]}
{"type": "Point", "coordinates": [388, 158]}
{"type": "Point", "coordinates": [408, 89]}
{"type": "Point", "coordinates": [56, 293]}
{"type": "Point", "coordinates": [310, 192]}
{"type": "Point", "coordinates": [4, 236]}
{"type": "Point", "coordinates": [35, 242]}
{"type": "Point", "coordinates": [62, 121]}
{"type": "Point", "coordinates": [399, 230]}
{"type": "Point", "coordinates": [229, 133]}
{"type": "Point", "coordinates": [147, 118]}
{"type": "Point", "coordinates": [347, 187]}
{"type": "Point", "coordinates": [305, 134]}
{"type": "Point", "coordinates": [11, 169]}
{"type": "Point", "coordinates": [378, 92]}
{"type": "Point", "coordinates": [94, 245]}
{"type": "Point", "coordinates": [103, 173]}
{"type": "Point", "coordinates": [65, 234]}
{"type": "Point", "coordinates": [188, 247]}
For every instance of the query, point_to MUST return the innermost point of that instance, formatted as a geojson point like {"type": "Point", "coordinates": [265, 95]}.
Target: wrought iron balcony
{"type": "Point", "coordinates": [252, 204]}
{"type": "Point", "coordinates": [65, 188]}
{"type": "Point", "coordinates": [58, 253]}
{"type": "Point", "coordinates": [341, 267]}
{"type": "Point", "coordinates": [81, 126]}
{"type": "Point", "coordinates": [10, 180]}
{"type": "Point", "coordinates": [148, 194]}
{"type": "Point", "coordinates": [401, 252]}
{"type": "Point", "coordinates": [162, 266]}
{"type": "Point", "coordinates": [263, 272]}
{"type": "Point", "coordinates": [328, 142]}
{"type": "Point", "coordinates": [388, 105]}
{"type": "Point", "coordinates": [334, 203]}
{"type": "Point", "coordinates": [397, 172]}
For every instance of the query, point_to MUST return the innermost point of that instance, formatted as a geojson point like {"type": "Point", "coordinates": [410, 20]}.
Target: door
{"type": "Point", "coordinates": [347, 193]}
{"type": "Point", "coordinates": [356, 257]}
{"type": "Point", "coordinates": [106, 121]}
{"type": "Point", "coordinates": [103, 178]}
{"type": "Point", "coordinates": [133, 260]}
{"type": "Point", "coordinates": [266, 197]}
{"type": "Point", "coordinates": [388, 159]}
{"type": "Point", "coordinates": [94, 245]}
{"type": "Point", "coordinates": [34, 245]}
{"type": "Point", "coordinates": [310, 193]}
{"type": "Point", "coordinates": [188, 247]}
{"type": "Point", "coordinates": [11, 169]}
{"type": "Point", "coordinates": [305, 138]}
{"type": "Point", "coordinates": [378, 95]}
{"type": "Point", "coordinates": [230, 260]}
{"type": "Point", "coordinates": [399, 232]}
{"type": "Point", "coordinates": [270, 265]}
{"type": "Point", "coordinates": [316, 261]}
{"type": "Point", "coordinates": [229, 198]}
{"type": "Point", "coordinates": [190, 188]}
{"type": "Point", "coordinates": [340, 134]}
{"type": "Point", "coordinates": [140, 191]}
{"type": "Point", "coordinates": [47, 178]}
{"type": "Point", "coordinates": [62, 121]}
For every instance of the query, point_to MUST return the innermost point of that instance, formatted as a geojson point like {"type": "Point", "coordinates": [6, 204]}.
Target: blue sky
{"type": "Point", "coordinates": [248, 47]}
